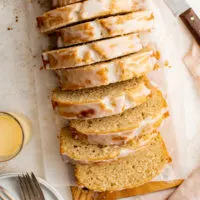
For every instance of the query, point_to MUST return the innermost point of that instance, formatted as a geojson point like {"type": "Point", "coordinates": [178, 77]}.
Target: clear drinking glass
{"type": "Point", "coordinates": [15, 132]}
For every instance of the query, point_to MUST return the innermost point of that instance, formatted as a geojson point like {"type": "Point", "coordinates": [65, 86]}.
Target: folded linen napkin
{"type": "Point", "coordinates": [189, 190]}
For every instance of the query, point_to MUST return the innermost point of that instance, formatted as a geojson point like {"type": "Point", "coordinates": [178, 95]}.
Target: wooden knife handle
{"type": "Point", "coordinates": [192, 22]}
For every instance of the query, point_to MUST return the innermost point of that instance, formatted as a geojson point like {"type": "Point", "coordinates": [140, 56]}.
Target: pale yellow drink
{"type": "Point", "coordinates": [15, 131]}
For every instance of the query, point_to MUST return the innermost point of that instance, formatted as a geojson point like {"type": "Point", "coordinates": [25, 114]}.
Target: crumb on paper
{"type": "Point", "coordinates": [166, 63]}
{"type": "Point", "coordinates": [16, 18]}
{"type": "Point", "coordinates": [9, 28]}
{"type": "Point", "coordinates": [44, 4]}
{"type": "Point", "coordinates": [42, 67]}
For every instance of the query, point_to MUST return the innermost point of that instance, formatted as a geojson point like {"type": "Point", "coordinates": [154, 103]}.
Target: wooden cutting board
{"type": "Point", "coordinates": [84, 194]}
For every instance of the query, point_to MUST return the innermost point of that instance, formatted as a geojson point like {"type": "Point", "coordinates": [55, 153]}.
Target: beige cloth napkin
{"type": "Point", "coordinates": [192, 61]}
{"type": "Point", "coordinates": [189, 190]}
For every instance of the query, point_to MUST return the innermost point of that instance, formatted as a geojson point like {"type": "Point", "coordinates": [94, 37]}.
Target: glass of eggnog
{"type": "Point", "coordinates": [15, 132]}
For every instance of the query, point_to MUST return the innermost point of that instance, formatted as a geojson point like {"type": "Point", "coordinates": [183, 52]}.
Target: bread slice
{"type": "Point", "coordinates": [105, 28]}
{"type": "Point", "coordinates": [129, 172]}
{"type": "Point", "coordinates": [121, 128]}
{"type": "Point", "coordinates": [102, 101]}
{"type": "Point", "coordinates": [85, 10]}
{"type": "Point", "coordinates": [81, 152]}
{"type": "Point", "coordinates": [60, 3]}
{"type": "Point", "coordinates": [94, 52]}
{"type": "Point", "coordinates": [121, 69]}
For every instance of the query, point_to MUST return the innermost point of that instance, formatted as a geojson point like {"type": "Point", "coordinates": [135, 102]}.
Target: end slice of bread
{"type": "Point", "coordinates": [94, 52]}
{"type": "Point", "coordinates": [81, 152]}
{"type": "Point", "coordinates": [121, 69]}
{"type": "Point", "coordinates": [105, 28]}
{"type": "Point", "coordinates": [119, 129]}
{"type": "Point", "coordinates": [102, 101]}
{"type": "Point", "coordinates": [129, 172]}
{"type": "Point", "coordinates": [83, 11]}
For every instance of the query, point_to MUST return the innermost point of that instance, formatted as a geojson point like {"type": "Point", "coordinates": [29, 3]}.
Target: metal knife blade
{"type": "Point", "coordinates": [177, 6]}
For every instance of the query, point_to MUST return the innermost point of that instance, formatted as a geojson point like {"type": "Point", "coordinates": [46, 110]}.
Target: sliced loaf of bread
{"type": "Point", "coordinates": [119, 129]}
{"type": "Point", "coordinates": [132, 171]}
{"type": "Point", "coordinates": [117, 70]}
{"type": "Point", "coordinates": [102, 101]}
{"type": "Point", "coordinates": [61, 3]}
{"type": "Point", "coordinates": [94, 52]}
{"type": "Point", "coordinates": [105, 28]}
{"type": "Point", "coordinates": [85, 10]}
{"type": "Point", "coordinates": [81, 152]}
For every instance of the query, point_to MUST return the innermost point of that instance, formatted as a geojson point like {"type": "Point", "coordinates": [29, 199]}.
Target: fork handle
{"type": "Point", "coordinates": [192, 22]}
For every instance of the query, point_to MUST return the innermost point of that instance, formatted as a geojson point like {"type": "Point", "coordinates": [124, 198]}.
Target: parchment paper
{"type": "Point", "coordinates": [25, 88]}
{"type": "Point", "coordinates": [59, 173]}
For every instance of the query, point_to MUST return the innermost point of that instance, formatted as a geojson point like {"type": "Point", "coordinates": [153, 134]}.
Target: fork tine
{"type": "Point", "coordinates": [29, 189]}
{"type": "Point", "coordinates": [22, 188]}
{"type": "Point", "coordinates": [5, 193]}
{"type": "Point", "coordinates": [35, 181]}
{"type": "Point", "coordinates": [2, 197]}
{"type": "Point", "coordinates": [32, 185]}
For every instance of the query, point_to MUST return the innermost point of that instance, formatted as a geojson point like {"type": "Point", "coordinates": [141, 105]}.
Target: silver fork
{"type": "Point", "coordinates": [4, 194]}
{"type": "Point", "coordinates": [30, 188]}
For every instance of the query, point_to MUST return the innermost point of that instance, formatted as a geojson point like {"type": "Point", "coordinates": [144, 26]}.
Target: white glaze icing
{"type": "Point", "coordinates": [85, 10]}
{"type": "Point", "coordinates": [108, 27]}
{"type": "Point", "coordinates": [107, 106]}
{"type": "Point", "coordinates": [122, 152]}
{"type": "Point", "coordinates": [109, 138]}
{"type": "Point", "coordinates": [110, 72]}
{"type": "Point", "coordinates": [93, 52]}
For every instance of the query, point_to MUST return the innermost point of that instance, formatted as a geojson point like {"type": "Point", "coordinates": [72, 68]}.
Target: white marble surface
{"type": "Point", "coordinates": [17, 93]}
{"type": "Point", "coordinates": [17, 85]}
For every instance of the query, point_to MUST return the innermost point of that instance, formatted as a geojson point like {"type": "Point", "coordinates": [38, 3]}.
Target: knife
{"type": "Point", "coordinates": [181, 9]}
